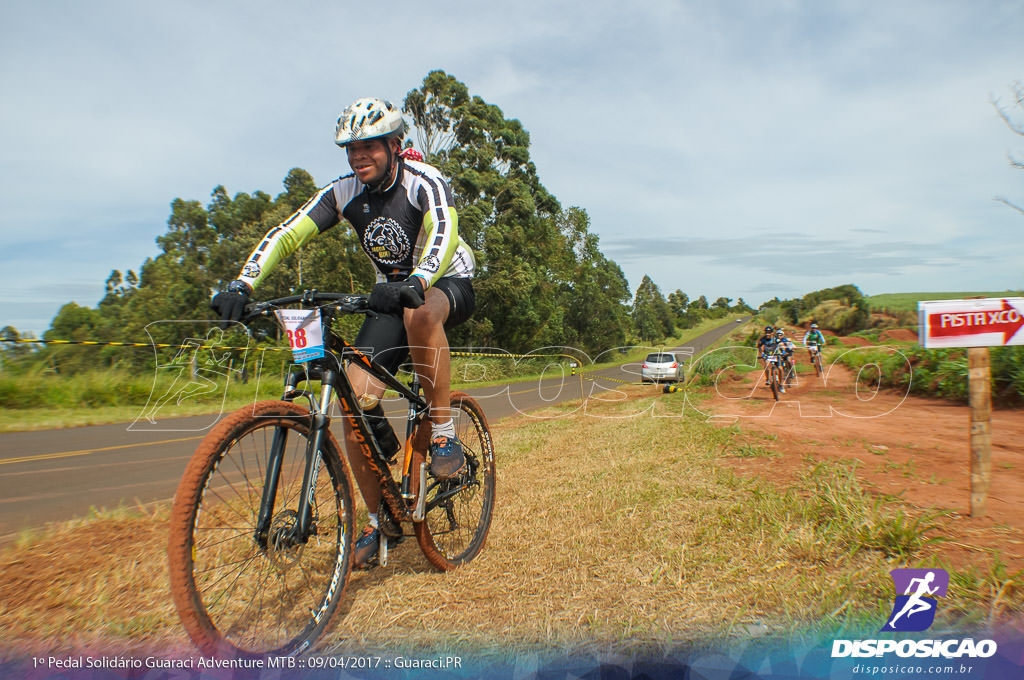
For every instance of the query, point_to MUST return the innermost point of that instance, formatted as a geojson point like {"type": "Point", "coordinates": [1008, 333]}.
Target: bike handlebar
{"type": "Point", "coordinates": [346, 303]}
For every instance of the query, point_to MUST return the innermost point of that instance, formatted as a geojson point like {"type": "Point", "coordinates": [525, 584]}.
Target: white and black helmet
{"type": "Point", "coordinates": [369, 118]}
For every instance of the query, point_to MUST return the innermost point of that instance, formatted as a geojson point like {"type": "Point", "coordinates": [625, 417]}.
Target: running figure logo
{"type": "Point", "coordinates": [914, 609]}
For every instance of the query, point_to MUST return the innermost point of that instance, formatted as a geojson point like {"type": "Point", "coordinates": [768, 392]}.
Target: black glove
{"type": "Point", "coordinates": [391, 298]}
{"type": "Point", "coordinates": [230, 303]}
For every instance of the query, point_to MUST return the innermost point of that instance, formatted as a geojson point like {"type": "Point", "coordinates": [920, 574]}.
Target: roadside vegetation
{"type": "Point", "coordinates": [937, 372]}
{"type": "Point", "coordinates": [42, 401]}
{"type": "Point", "coordinates": [663, 548]}
{"type": "Point", "coordinates": [735, 353]}
{"type": "Point", "coordinates": [39, 400]}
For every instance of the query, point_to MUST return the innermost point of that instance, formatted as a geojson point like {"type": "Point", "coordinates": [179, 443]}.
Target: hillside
{"type": "Point", "coordinates": [908, 301]}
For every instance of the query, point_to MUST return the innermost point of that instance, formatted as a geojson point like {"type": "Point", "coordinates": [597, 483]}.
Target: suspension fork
{"type": "Point", "coordinates": [318, 432]}
{"type": "Point", "coordinates": [274, 461]}
{"type": "Point", "coordinates": [273, 476]}
{"type": "Point", "coordinates": [270, 486]}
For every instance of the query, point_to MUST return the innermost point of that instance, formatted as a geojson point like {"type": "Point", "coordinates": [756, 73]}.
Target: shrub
{"type": "Point", "coordinates": [837, 316]}
{"type": "Point", "coordinates": [894, 318]}
{"type": "Point", "coordinates": [710, 364]}
{"type": "Point", "coordinates": [942, 372]}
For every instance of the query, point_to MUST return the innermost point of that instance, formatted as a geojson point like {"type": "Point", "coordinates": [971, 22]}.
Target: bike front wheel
{"type": "Point", "coordinates": [240, 592]}
{"type": "Point", "coordinates": [459, 510]}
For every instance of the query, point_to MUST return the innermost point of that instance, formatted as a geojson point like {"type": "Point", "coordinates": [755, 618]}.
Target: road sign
{"type": "Point", "coordinates": [984, 322]}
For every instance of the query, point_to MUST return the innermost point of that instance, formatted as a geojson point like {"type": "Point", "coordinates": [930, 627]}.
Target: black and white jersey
{"type": "Point", "coordinates": [410, 228]}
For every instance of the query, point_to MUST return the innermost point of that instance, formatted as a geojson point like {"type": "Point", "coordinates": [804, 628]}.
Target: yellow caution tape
{"type": "Point", "coordinates": [98, 343]}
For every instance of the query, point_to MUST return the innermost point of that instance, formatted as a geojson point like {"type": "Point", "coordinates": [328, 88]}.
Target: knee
{"type": "Point", "coordinates": [426, 317]}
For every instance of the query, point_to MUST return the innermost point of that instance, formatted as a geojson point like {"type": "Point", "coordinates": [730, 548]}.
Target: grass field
{"type": "Point", "coordinates": [591, 549]}
{"type": "Point", "coordinates": [908, 301]}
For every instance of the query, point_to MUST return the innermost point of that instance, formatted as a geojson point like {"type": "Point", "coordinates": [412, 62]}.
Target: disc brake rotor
{"type": "Point", "coordinates": [282, 548]}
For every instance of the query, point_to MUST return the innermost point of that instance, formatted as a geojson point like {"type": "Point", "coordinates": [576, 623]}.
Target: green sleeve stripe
{"type": "Point", "coordinates": [279, 243]}
{"type": "Point", "coordinates": [450, 245]}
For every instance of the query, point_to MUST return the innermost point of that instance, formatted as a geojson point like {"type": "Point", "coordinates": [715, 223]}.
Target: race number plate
{"type": "Point", "coordinates": [305, 331]}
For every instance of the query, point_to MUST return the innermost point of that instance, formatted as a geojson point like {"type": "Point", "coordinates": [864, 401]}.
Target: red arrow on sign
{"type": "Point", "coordinates": [956, 324]}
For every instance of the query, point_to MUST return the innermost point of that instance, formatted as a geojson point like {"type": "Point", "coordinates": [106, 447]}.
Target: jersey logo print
{"type": "Point", "coordinates": [430, 264]}
{"type": "Point", "coordinates": [386, 241]}
{"type": "Point", "coordinates": [251, 270]}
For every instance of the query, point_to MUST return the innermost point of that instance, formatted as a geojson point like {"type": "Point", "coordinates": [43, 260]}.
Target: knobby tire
{"type": "Point", "coordinates": [455, 528]}
{"type": "Point", "coordinates": [234, 597]}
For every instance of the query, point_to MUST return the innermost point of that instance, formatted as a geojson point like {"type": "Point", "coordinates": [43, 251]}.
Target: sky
{"type": "Point", "coordinates": [731, 148]}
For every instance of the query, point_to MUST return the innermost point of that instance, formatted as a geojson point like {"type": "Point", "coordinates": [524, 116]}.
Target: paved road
{"type": "Point", "coordinates": [56, 475]}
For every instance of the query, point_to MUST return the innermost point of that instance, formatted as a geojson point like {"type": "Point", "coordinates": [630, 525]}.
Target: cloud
{"type": "Point", "coordinates": [697, 127]}
{"type": "Point", "coordinates": [773, 288]}
{"type": "Point", "coordinates": [800, 255]}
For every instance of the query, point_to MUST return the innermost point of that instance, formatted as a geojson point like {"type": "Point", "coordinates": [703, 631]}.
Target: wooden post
{"type": "Point", "coordinates": [980, 401]}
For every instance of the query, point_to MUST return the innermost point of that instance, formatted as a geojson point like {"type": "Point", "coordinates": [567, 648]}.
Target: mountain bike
{"type": "Point", "coordinates": [815, 352]}
{"type": "Point", "coordinates": [261, 531]}
{"type": "Point", "coordinates": [773, 373]}
{"type": "Point", "coordinates": [787, 367]}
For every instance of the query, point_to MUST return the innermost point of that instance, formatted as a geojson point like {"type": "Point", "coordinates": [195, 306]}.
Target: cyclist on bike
{"type": "Point", "coordinates": [785, 348]}
{"type": "Point", "coordinates": [813, 337]}
{"type": "Point", "coordinates": [403, 212]}
{"type": "Point", "coordinates": [765, 346]}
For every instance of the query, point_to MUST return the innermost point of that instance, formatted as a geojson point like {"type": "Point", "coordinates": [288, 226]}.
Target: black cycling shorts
{"type": "Point", "coordinates": [382, 336]}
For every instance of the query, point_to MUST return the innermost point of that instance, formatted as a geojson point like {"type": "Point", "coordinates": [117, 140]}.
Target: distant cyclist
{"type": "Point", "coordinates": [813, 338]}
{"type": "Point", "coordinates": [765, 346]}
{"type": "Point", "coordinates": [785, 347]}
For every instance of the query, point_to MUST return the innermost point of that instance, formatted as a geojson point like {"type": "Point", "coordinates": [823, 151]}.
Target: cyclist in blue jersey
{"type": "Point", "coordinates": [813, 337]}
{"type": "Point", "coordinates": [785, 348]}
{"type": "Point", "coordinates": [403, 213]}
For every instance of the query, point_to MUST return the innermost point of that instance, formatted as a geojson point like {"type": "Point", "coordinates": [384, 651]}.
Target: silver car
{"type": "Point", "coordinates": [661, 367]}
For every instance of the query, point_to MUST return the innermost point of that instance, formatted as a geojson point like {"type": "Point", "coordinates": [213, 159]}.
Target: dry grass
{"type": "Point", "coordinates": [611, 534]}
{"type": "Point", "coordinates": [98, 583]}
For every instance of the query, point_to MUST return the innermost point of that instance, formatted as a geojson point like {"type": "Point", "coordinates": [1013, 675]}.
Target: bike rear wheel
{"type": "Point", "coordinates": [459, 510]}
{"type": "Point", "coordinates": [235, 596]}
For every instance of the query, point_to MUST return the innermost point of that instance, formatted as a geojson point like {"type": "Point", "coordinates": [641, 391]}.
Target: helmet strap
{"type": "Point", "coordinates": [390, 172]}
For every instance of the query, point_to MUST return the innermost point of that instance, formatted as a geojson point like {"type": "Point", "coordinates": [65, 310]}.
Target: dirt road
{"type": "Point", "coordinates": [909, 447]}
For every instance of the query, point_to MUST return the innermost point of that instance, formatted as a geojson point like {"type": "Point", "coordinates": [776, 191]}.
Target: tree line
{"type": "Point", "coordinates": [541, 277]}
{"type": "Point", "coordinates": [842, 309]}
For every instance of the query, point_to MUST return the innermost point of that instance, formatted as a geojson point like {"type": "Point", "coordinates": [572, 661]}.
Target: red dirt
{"type": "Point", "coordinates": [908, 446]}
{"type": "Point", "coordinates": [898, 334]}
{"type": "Point", "coordinates": [854, 340]}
